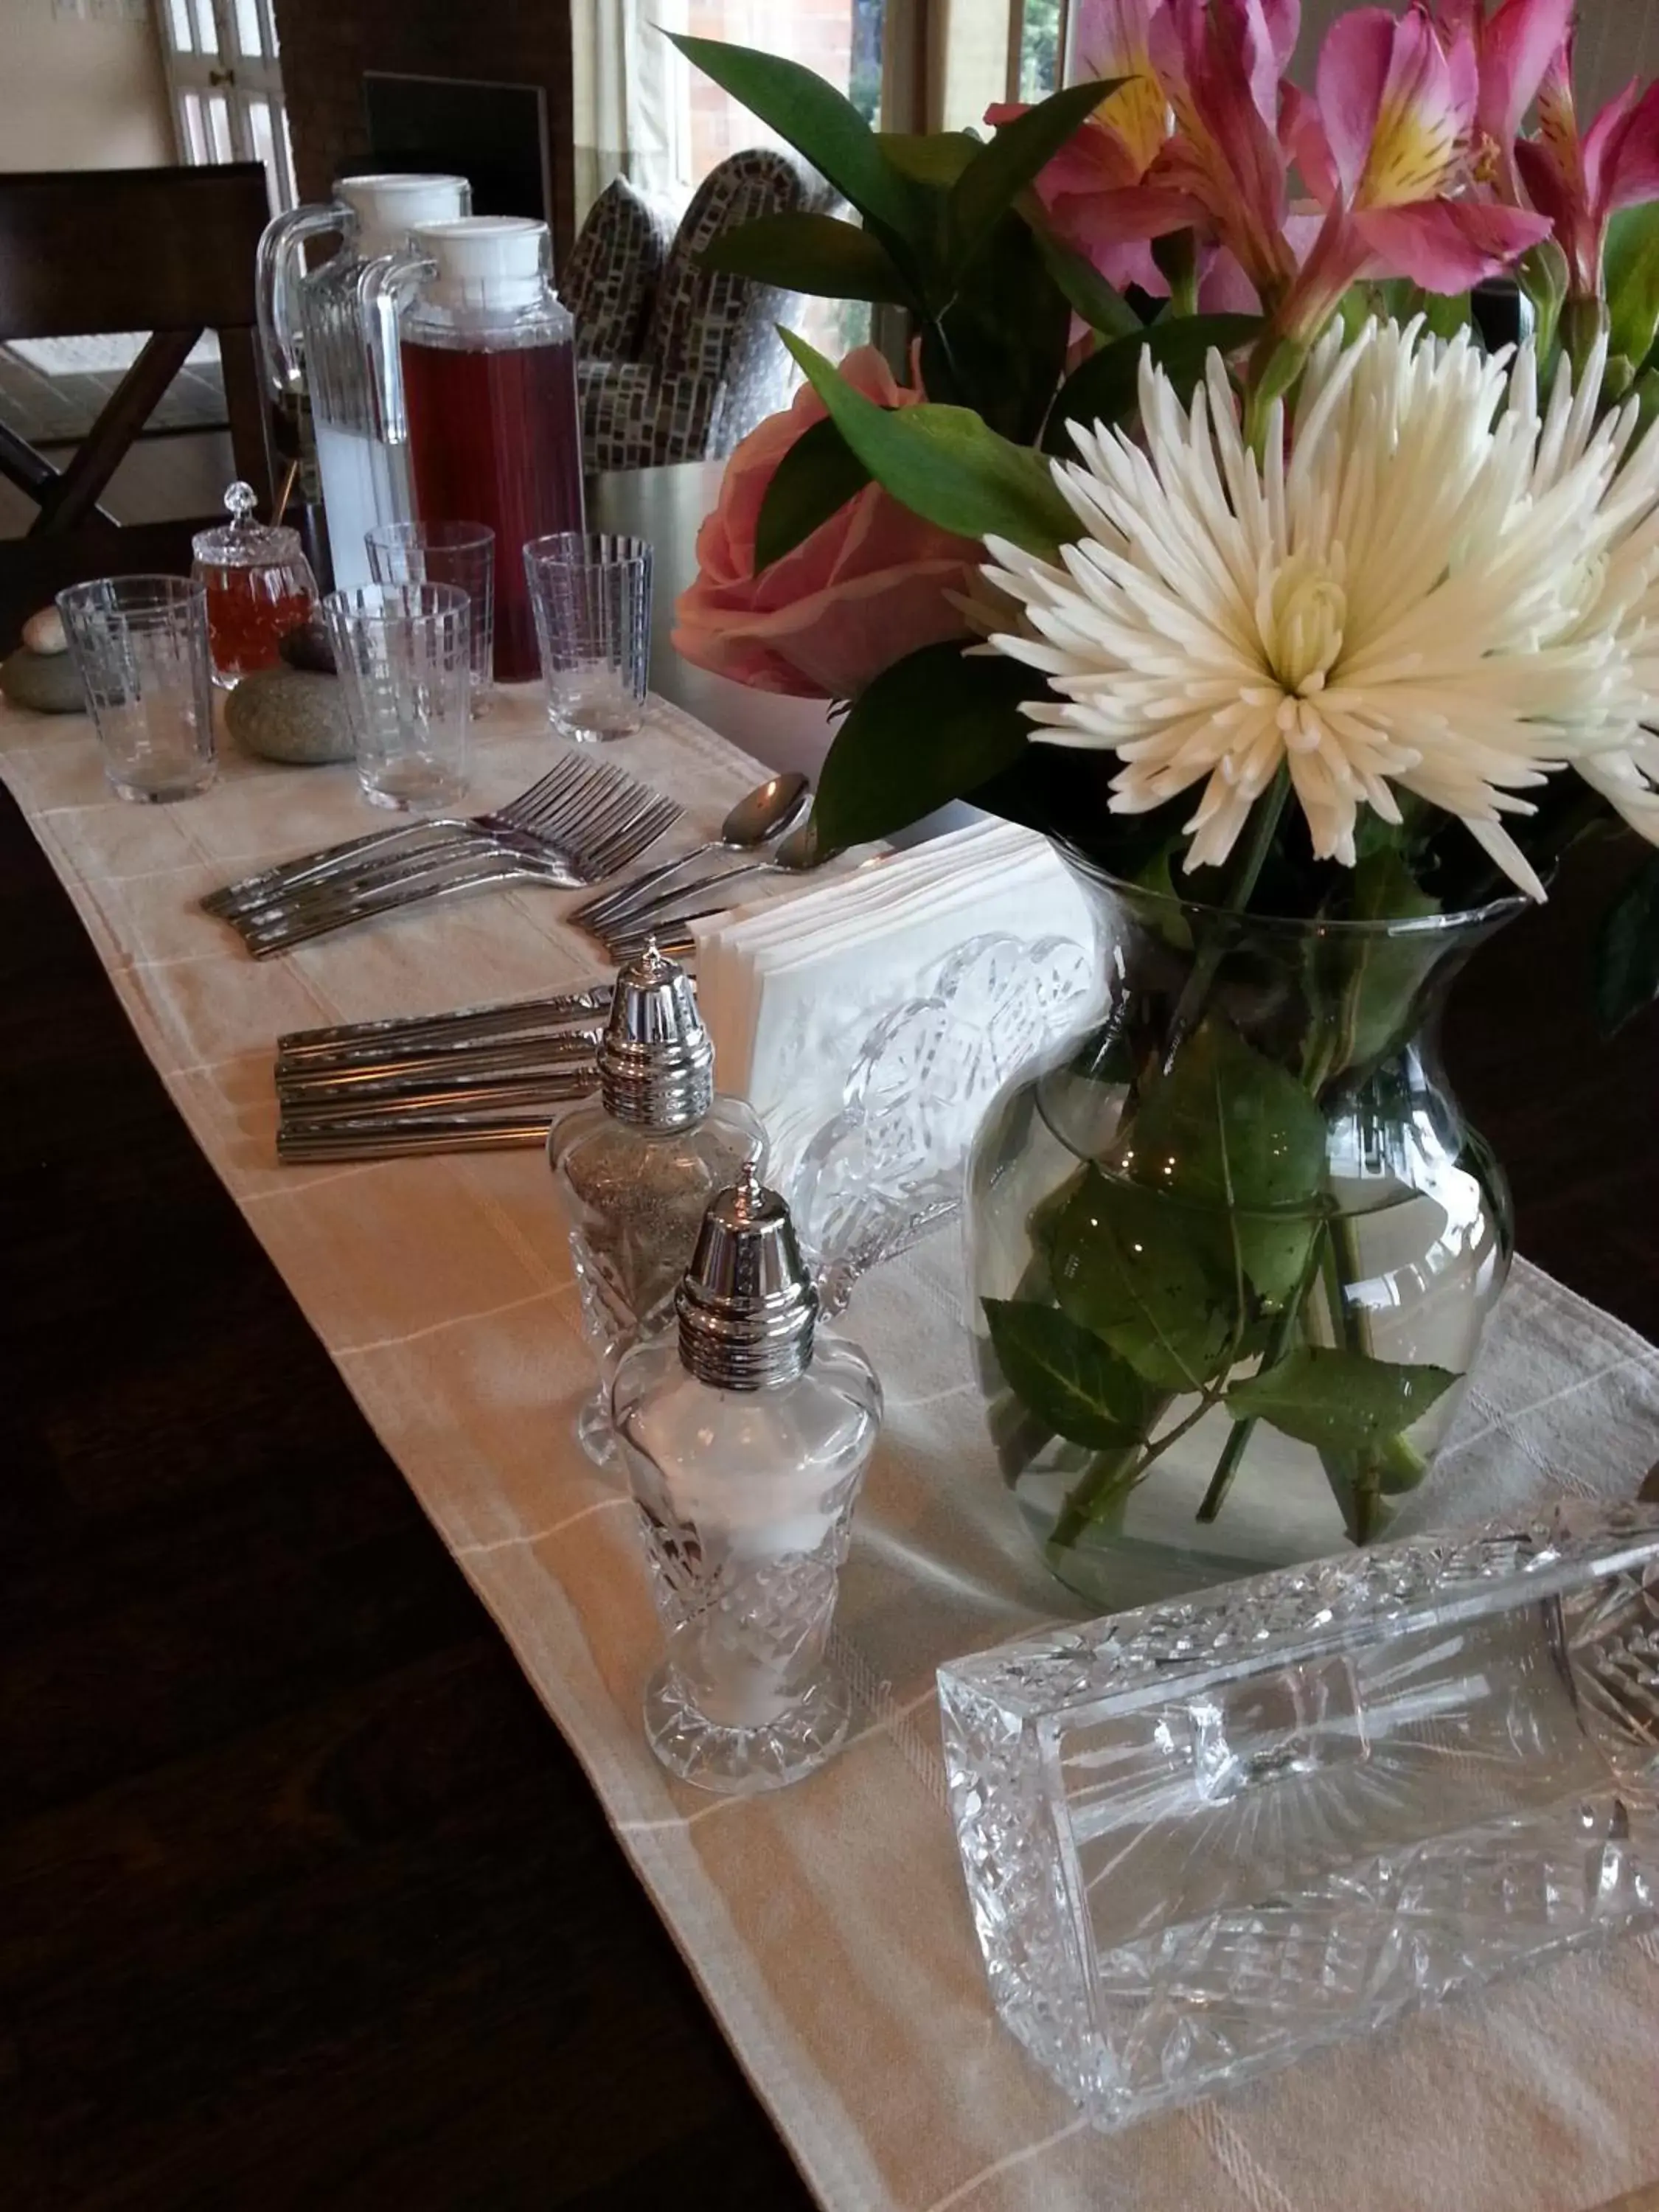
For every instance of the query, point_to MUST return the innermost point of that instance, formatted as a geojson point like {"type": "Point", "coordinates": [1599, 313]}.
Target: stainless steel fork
{"type": "Point", "coordinates": [628, 831]}
{"type": "Point", "coordinates": [573, 837]}
{"type": "Point", "coordinates": [554, 807]}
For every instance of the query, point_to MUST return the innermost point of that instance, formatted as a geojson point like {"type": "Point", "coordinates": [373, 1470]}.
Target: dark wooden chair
{"type": "Point", "coordinates": [85, 254]}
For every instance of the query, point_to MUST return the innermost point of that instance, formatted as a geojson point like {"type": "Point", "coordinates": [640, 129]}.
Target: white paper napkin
{"type": "Point", "coordinates": [870, 1021]}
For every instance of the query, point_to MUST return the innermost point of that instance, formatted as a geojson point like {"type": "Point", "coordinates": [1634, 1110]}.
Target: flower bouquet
{"type": "Point", "coordinates": [1217, 530]}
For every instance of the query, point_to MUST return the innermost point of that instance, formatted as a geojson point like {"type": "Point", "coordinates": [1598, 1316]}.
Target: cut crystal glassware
{"type": "Point", "coordinates": [746, 1436]}
{"type": "Point", "coordinates": [888, 1166]}
{"type": "Point", "coordinates": [1202, 1839]}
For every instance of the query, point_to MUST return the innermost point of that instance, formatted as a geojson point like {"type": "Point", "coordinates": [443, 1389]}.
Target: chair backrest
{"type": "Point", "coordinates": [611, 280]}
{"type": "Point", "coordinates": [700, 312]}
{"type": "Point", "coordinates": [90, 253]}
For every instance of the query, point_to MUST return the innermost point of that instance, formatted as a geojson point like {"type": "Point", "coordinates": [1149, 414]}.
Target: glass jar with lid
{"type": "Point", "coordinates": [259, 586]}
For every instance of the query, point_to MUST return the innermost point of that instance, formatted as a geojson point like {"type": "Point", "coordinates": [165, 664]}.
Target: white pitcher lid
{"type": "Point", "coordinates": [485, 260]}
{"type": "Point", "coordinates": [388, 206]}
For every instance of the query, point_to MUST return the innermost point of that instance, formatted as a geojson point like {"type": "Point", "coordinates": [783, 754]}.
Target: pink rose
{"type": "Point", "coordinates": [867, 588]}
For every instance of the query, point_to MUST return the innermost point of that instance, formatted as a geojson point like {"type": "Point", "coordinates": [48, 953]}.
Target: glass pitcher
{"type": "Point", "coordinates": [482, 381]}
{"type": "Point", "coordinates": [312, 338]}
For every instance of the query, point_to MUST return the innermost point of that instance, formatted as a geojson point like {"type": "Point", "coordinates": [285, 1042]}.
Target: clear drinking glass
{"type": "Point", "coordinates": [140, 646]}
{"type": "Point", "coordinates": [592, 595]}
{"type": "Point", "coordinates": [402, 651]}
{"type": "Point", "coordinates": [459, 553]}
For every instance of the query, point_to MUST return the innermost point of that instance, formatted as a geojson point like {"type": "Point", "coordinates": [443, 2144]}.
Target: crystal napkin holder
{"type": "Point", "coordinates": [1202, 1839]}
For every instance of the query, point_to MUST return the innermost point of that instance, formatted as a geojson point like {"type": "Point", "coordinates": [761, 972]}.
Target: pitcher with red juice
{"type": "Point", "coordinates": [489, 397]}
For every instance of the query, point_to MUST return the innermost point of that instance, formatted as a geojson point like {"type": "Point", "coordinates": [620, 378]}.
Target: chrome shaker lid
{"type": "Point", "coordinates": [746, 1304]}
{"type": "Point", "coordinates": [656, 1058]}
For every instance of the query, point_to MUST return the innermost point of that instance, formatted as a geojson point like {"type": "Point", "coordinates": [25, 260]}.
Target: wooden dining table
{"type": "Point", "coordinates": [303, 1900]}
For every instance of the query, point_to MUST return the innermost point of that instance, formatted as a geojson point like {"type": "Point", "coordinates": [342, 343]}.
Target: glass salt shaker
{"type": "Point", "coordinates": [745, 1435]}
{"type": "Point", "coordinates": [258, 587]}
{"type": "Point", "coordinates": [635, 1168]}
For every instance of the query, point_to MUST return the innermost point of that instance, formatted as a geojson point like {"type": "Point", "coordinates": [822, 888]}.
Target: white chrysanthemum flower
{"type": "Point", "coordinates": [1428, 585]}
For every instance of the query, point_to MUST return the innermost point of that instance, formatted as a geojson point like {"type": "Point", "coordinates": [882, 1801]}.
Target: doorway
{"type": "Point", "coordinates": [225, 82]}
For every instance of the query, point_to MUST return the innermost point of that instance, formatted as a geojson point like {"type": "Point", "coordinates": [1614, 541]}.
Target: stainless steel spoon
{"type": "Point", "coordinates": [798, 855]}
{"type": "Point", "coordinates": [770, 811]}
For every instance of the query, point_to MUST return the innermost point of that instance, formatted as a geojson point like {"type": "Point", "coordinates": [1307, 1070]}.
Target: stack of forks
{"type": "Point", "coordinates": [580, 822]}
{"type": "Point", "coordinates": [482, 1079]}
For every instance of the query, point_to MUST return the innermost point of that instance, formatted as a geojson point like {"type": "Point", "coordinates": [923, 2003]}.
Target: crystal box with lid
{"type": "Point", "coordinates": [1203, 1838]}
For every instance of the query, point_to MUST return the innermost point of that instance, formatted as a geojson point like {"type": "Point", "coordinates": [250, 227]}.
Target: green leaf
{"type": "Point", "coordinates": [943, 463]}
{"type": "Point", "coordinates": [1066, 1376]}
{"type": "Point", "coordinates": [998, 345]}
{"type": "Point", "coordinates": [930, 157]}
{"type": "Point", "coordinates": [999, 172]}
{"type": "Point", "coordinates": [1627, 949]}
{"type": "Point", "coordinates": [1225, 1125]}
{"type": "Point", "coordinates": [1375, 980]}
{"type": "Point", "coordinates": [1632, 274]}
{"type": "Point", "coordinates": [1225, 1130]}
{"type": "Point", "coordinates": [1445, 314]}
{"type": "Point", "coordinates": [814, 480]}
{"type": "Point", "coordinates": [812, 253]}
{"type": "Point", "coordinates": [1086, 291]}
{"type": "Point", "coordinates": [1106, 388]}
{"type": "Point", "coordinates": [1339, 1400]}
{"type": "Point", "coordinates": [1140, 1272]}
{"type": "Point", "coordinates": [1542, 274]}
{"type": "Point", "coordinates": [926, 731]}
{"type": "Point", "coordinates": [816, 120]}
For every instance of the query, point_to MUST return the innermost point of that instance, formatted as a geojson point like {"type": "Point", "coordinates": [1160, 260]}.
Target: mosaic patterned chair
{"type": "Point", "coordinates": [676, 362]}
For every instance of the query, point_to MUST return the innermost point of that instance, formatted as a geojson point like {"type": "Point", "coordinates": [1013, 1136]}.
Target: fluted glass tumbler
{"type": "Point", "coordinates": [592, 595]}
{"type": "Point", "coordinates": [458, 553]}
{"type": "Point", "coordinates": [140, 644]}
{"type": "Point", "coordinates": [404, 652]}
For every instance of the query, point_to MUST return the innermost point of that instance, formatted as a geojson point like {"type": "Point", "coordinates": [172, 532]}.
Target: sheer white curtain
{"type": "Point", "coordinates": [628, 97]}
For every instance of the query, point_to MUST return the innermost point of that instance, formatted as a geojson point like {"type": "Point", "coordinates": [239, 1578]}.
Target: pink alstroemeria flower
{"type": "Point", "coordinates": [1221, 63]}
{"type": "Point", "coordinates": [1514, 46]}
{"type": "Point", "coordinates": [1093, 191]}
{"type": "Point", "coordinates": [1579, 184]}
{"type": "Point", "coordinates": [1398, 109]}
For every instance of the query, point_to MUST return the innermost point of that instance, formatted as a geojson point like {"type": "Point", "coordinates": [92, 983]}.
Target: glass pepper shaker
{"type": "Point", "coordinates": [746, 1434]}
{"type": "Point", "coordinates": [258, 587]}
{"type": "Point", "coordinates": [635, 1168]}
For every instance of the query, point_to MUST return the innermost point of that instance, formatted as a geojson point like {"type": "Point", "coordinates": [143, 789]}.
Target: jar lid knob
{"type": "Point", "coordinates": [241, 501]}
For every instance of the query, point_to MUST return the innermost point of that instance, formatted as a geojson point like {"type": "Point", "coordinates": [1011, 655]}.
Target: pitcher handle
{"type": "Point", "coordinates": [380, 285]}
{"type": "Point", "coordinates": [275, 303]}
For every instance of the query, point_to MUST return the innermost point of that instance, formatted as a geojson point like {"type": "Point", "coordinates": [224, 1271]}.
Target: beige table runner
{"type": "Point", "coordinates": [828, 1925]}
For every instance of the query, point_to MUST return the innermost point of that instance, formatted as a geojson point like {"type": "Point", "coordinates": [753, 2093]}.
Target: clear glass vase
{"type": "Point", "coordinates": [1232, 1251]}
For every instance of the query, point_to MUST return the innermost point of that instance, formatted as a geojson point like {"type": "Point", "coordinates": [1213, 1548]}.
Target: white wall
{"type": "Point", "coordinates": [79, 94]}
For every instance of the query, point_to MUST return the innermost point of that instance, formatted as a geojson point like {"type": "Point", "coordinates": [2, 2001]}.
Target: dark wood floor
{"type": "Point", "coordinates": [303, 1900]}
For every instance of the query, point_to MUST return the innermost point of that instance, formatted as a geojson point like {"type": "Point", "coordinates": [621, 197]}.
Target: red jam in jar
{"type": "Point", "coordinates": [258, 587]}
{"type": "Point", "coordinates": [249, 612]}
